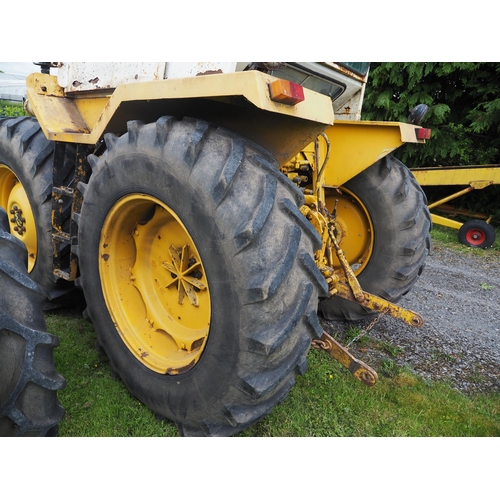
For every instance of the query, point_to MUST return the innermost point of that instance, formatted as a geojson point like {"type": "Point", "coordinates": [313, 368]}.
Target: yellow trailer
{"type": "Point", "coordinates": [477, 232]}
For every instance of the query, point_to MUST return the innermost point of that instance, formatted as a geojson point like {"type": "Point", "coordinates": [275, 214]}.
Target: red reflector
{"type": "Point", "coordinates": [286, 92]}
{"type": "Point", "coordinates": [423, 133]}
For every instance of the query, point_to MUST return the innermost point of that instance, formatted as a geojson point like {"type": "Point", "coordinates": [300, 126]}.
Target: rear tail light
{"type": "Point", "coordinates": [423, 133]}
{"type": "Point", "coordinates": [286, 92]}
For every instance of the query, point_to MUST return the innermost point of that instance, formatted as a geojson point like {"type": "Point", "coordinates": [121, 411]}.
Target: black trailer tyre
{"type": "Point", "coordinates": [26, 159]}
{"type": "Point", "coordinates": [391, 237]}
{"type": "Point", "coordinates": [28, 379]}
{"type": "Point", "coordinates": [197, 269]}
{"type": "Point", "coordinates": [477, 233]}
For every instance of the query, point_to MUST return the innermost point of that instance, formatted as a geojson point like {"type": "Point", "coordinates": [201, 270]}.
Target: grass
{"type": "Point", "coordinates": [326, 401]}
{"type": "Point", "coordinates": [96, 403]}
{"type": "Point", "coordinates": [8, 108]}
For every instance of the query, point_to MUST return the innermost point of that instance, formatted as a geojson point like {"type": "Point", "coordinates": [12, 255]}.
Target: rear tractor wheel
{"type": "Point", "coordinates": [197, 269]}
{"type": "Point", "coordinates": [383, 225]}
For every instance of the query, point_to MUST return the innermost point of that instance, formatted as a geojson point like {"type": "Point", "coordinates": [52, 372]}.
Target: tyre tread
{"type": "Point", "coordinates": [26, 151]}
{"type": "Point", "coordinates": [31, 407]}
{"type": "Point", "coordinates": [272, 350]}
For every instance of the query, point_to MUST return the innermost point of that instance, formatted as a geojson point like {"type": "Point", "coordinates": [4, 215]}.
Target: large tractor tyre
{"type": "Point", "coordinates": [386, 232]}
{"type": "Point", "coordinates": [28, 379]}
{"type": "Point", "coordinates": [26, 159]}
{"type": "Point", "coordinates": [197, 269]}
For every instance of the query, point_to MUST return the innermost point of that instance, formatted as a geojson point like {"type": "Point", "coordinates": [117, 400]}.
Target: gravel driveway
{"type": "Point", "coordinates": [458, 295]}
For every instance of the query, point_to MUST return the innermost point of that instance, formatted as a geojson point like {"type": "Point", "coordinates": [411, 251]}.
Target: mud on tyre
{"type": "Point", "coordinates": [197, 269]}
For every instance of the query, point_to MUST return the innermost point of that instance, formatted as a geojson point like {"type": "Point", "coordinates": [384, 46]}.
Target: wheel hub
{"type": "Point", "coordinates": [18, 220]}
{"type": "Point", "coordinates": [154, 284]}
{"type": "Point", "coordinates": [476, 236]}
{"type": "Point", "coordinates": [185, 273]}
{"type": "Point", "coordinates": [14, 200]}
{"type": "Point", "coordinates": [354, 229]}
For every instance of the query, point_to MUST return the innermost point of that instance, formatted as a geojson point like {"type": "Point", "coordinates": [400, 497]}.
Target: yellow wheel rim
{"type": "Point", "coordinates": [354, 228]}
{"type": "Point", "coordinates": [154, 284]}
{"type": "Point", "coordinates": [14, 200]}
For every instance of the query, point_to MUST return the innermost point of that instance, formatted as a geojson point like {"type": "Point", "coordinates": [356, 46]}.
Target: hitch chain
{"type": "Point", "coordinates": [368, 328]}
{"type": "Point", "coordinates": [360, 370]}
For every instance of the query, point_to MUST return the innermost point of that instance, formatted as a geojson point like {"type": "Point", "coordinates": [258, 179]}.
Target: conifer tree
{"type": "Point", "coordinates": [464, 108]}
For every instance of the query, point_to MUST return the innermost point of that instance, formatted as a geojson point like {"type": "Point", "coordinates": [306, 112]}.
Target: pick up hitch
{"type": "Point", "coordinates": [350, 289]}
{"type": "Point", "coordinates": [360, 370]}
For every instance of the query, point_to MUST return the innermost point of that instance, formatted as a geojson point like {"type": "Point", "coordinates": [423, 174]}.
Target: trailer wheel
{"type": "Point", "coordinates": [477, 233]}
{"type": "Point", "coordinates": [28, 378]}
{"type": "Point", "coordinates": [384, 225]}
{"type": "Point", "coordinates": [197, 269]}
{"type": "Point", "coordinates": [26, 159]}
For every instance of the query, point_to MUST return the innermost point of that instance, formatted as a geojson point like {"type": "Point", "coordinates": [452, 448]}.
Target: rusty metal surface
{"type": "Point", "coordinates": [353, 282]}
{"type": "Point", "coordinates": [359, 370]}
{"type": "Point", "coordinates": [378, 304]}
{"type": "Point", "coordinates": [85, 76]}
{"type": "Point", "coordinates": [80, 77]}
{"type": "Point", "coordinates": [65, 263]}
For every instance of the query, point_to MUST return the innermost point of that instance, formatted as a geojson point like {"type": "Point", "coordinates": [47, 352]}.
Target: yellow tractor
{"type": "Point", "coordinates": [209, 212]}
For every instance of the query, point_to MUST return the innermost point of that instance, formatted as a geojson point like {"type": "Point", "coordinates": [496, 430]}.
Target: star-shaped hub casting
{"type": "Point", "coordinates": [185, 272]}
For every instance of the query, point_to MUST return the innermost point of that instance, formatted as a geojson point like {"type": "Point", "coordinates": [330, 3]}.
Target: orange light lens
{"type": "Point", "coordinates": [286, 92]}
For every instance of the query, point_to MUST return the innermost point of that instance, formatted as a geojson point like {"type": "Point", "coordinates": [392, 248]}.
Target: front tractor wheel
{"type": "Point", "coordinates": [197, 269]}
{"type": "Point", "coordinates": [26, 161]}
{"type": "Point", "coordinates": [14, 200]}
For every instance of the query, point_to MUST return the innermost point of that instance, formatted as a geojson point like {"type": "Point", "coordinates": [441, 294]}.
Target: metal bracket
{"type": "Point", "coordinates": [360, 370]}
{"type": "Point", "coordinates": [378, 304]}
{"type": "Point", "coordinates": [352, 289]}
{"type": "Point", "coordinates": [64, 196]}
